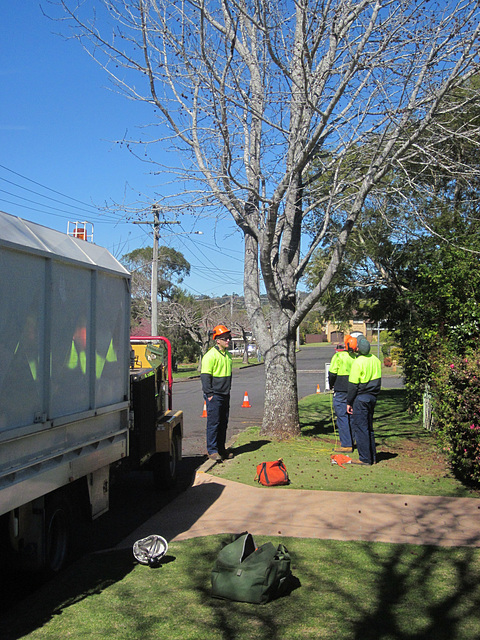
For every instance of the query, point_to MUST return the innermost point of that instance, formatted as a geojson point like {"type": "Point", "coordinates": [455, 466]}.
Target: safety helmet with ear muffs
{"type": "Point", "coordinates": [350, 343]}
{"type": "Point", "coordinates": [150, 550]}
{"type": "Point", "coordinates": [363, 346]}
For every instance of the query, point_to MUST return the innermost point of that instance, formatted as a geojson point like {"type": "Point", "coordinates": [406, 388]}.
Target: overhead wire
{"type": "Point", "coordinates": [56, 215]}
{"type": "Point", "coordinates": [100, 216]}
{"type": "Point", "coordinates": [213, 277]}
{"type": "Point", "coordinates": [85, 204]}
{"type": "Point", "coordinates": [73, 207]}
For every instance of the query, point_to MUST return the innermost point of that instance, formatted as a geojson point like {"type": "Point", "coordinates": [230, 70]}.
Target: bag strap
{"type": "Point", "coordinates": [283, 468]}
{"type": "Point", "coordinates": [262, 472]}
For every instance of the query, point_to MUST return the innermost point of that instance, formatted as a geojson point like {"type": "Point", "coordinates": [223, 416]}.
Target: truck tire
{"type": "Point", "coordinates": [165, 465]}
{"type": "Point", "coordinates": [57, 533]}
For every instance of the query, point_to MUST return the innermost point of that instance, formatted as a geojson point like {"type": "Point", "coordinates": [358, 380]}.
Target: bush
{"type": "Point", "coordinates": [387, 340]}
{"type": "Point", "coordinates": [456, 388]}
{"type": "Point", "coordinates": [396, 353]}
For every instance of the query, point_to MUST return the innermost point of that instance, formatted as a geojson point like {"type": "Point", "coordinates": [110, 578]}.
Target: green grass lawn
{"type": "Point", "coordinates": [409, 461]}
{"type": "Point", "coordinates": [345, 590]}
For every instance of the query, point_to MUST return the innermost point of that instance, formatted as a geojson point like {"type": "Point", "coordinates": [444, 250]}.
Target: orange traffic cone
{"type": "Point", "coordinates": [318, 388]}
{"type": "Point", "coordinates": [246, 403]}
{"type": "Point", "coordinates": [204, 414]}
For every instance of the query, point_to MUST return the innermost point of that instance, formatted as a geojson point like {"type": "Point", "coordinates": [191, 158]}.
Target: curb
{"type": "Point", "coordinates": [209, 464]}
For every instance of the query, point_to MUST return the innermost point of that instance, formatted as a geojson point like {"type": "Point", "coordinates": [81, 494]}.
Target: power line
{"type": "Point", "coordinates": [48, 213]}
{"type": "Point", "coordinates": [92, 212]}
{"type": "Point", "coordinates": [35, 202]}
{"type": "Point", "coordinates": [73, 206]}
{"type": "Point", "coordinates": [39, 184]}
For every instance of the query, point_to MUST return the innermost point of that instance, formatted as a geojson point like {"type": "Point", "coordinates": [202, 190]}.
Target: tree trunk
{"type": "Point", "coordinates": [280, 418]}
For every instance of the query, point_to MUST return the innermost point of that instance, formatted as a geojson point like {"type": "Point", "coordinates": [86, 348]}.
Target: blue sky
{"type": "Point", "coordinates": [60, 162]}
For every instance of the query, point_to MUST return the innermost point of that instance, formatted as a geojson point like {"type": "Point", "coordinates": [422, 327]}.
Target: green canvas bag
{"type": "Point", "coordinates": [245, 573]}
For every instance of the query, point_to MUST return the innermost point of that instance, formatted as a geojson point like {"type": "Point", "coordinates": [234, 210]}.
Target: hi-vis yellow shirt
{"type": "Point", "coordinates": [365, 377]}
{"type": "Point", "coordinates": [216, 372]}
{"type": "Point", "coordinates": [339, 370]}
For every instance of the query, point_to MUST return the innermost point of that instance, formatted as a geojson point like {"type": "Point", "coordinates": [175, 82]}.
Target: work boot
{"type": "Point", "coordinates": [227, 455]}
{"type": "Point", "coordinates": [216, 457]}
{"type": "Point", "coordinates": [344, 450]}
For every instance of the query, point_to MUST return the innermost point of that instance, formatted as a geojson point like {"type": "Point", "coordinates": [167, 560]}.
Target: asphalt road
{"type": "Point", "coordinates": [187, 395]}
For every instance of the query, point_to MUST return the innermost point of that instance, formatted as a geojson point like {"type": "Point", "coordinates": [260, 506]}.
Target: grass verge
{"type": "Point", "coordinates": [409, 461]}
{"type": "Point", "coordinates": [347, 591]}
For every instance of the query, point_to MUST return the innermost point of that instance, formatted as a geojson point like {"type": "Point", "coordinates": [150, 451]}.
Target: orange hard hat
{"type": "Point", "coordinates": [351, 343]}
{"type": "Point", "coordinates": [219, 330]}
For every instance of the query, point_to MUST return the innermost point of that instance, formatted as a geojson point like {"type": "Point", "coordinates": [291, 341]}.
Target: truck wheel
{"type": "Point", "coordinates": [57, 533]}
{"type": "Point", "coordinates": [165, 465]}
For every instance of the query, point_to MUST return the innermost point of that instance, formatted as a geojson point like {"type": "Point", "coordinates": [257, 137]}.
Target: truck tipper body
{"type": "Point", "coordinates": [72, 404]}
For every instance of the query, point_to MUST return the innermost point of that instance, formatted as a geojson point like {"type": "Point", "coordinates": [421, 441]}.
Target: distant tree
{"type": "Point", "coordinates": [184, 348]}
{"type": "Point", "coordinates": [257, 95]}
{"type": "Point", "coordinates": [172, 268]}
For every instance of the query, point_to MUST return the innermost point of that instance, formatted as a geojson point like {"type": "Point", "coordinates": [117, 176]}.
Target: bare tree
{"type": "Point", "coordinates": [196, 317]}
{"type": "Point", "coordinates": [263, 98]}
{"type": "Point", "coordinates": [239, 322]}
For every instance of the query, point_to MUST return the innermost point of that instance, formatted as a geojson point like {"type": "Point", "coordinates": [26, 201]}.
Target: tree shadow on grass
{"type": "Point", "coordinates": [88, 576]}
{"type": "Point", "coordinates": [397, 591]}
{"type": "Point", "coordinates": [356, 590]}
{"type": "Point", "coordinates": [316, 427]}
{"type": "Point", "coordinates": [375, 590]}
{"type": "Point", "coordinates": [450, 614]}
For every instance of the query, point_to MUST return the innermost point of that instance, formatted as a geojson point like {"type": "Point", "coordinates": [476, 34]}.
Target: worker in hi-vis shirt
{"type": "Point", "coordinates": [216, 377]}
{"type": "Point", "coordinates": [338, 373]}
{"type": "Point", "coordinates": [364, 384]}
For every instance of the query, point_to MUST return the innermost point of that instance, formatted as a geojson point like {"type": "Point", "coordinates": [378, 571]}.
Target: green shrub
{"type": "Point", "coordinates": [396, 353]}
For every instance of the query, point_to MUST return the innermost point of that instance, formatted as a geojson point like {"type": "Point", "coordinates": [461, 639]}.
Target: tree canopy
{"type": "Point", "coordinates": [172, 269]}
{"type": "Point", "coordinates": [420, 275]}
{"type": "Point", "coordinates": [269, 104]}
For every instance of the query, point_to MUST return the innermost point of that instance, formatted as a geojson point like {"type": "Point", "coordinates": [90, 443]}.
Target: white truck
{"type": "Point", "coordinates": [74, 404]}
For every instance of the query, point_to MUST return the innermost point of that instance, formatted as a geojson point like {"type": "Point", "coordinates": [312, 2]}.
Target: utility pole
{"type": "Point", "coordinates": [378, 329]}
{"type": "Point", "coordinates": [154, 280]}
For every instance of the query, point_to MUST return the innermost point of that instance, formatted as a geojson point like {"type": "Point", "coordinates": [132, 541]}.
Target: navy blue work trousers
{"type": "Point", "coordinates": [361, 421]}
{"type": "Point", "coordinates": [343, 418]}
{"type": "Point", "coordinates": [218, 409]}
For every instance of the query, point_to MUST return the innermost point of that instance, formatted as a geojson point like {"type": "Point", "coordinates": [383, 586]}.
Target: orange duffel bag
{"type": "Point", "coordinates": [273, 473]}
